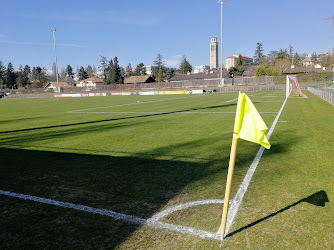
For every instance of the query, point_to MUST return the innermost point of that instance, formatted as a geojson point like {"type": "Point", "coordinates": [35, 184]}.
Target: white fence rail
{"type": "Point", "coordinates": [327, 96]}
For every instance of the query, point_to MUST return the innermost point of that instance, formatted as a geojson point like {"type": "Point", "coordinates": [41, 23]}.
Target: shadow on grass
{"type": "Point", "coordinates": [318, 199]}
{"type": "Point", "coordinates": [115, 119]}
{"type": "Point", "coordinates": [129, 185]}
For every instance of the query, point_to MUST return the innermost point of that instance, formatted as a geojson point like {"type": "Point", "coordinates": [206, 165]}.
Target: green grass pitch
{"type": "Point", "coordinates": [139, 155]}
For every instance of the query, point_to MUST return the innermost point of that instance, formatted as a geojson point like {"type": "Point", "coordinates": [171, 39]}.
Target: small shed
{"type": "Point", "coordinates": [139, 79]}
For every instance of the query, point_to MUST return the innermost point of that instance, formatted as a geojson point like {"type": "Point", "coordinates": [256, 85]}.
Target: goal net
{"type": "Point", "coordinates": [292, 87]}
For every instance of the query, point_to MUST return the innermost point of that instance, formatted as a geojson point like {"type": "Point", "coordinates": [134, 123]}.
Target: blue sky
{"type": "Point", "coordinates": [136, 31]}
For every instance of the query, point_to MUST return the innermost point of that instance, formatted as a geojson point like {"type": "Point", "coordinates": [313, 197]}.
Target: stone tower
{"type": "Point", "coordinates": [214, 53]}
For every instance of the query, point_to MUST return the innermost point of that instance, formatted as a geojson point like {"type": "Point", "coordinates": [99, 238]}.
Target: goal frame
{"type": "Point", "coordinates": [292, 83]}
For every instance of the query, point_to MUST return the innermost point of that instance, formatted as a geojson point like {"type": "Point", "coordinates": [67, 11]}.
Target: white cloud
{"type": "Point", "coordinates": [173, 61]}
{"type": "Point", "coordinates": [39, 44]}
{"type": "Point", "coordinates": [101, 16]}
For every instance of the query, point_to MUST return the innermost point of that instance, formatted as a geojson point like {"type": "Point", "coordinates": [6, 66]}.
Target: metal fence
{"type": "Point", "coordinates": [327, 96]}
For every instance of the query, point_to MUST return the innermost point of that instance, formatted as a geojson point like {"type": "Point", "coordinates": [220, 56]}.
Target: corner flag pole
{"type": "Point", "coordinates": [248, 125]}
{"type": "Point", "coordinates": [228, 186]}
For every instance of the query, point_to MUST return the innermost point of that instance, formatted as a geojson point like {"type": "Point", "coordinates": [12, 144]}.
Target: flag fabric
{"type": "Point", "coordinates": [248, 123]}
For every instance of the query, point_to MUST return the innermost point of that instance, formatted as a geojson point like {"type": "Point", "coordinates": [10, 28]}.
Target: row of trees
{"type": "Point", "coordinates": [277, 62]}
{"type": "Point", "coordinates": [24, 76]}
{"type": "Point", "coordinates": [109, 70]}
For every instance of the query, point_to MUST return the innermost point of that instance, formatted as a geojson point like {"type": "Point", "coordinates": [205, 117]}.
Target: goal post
{"type": "Point", "coordinates": [292, 87]}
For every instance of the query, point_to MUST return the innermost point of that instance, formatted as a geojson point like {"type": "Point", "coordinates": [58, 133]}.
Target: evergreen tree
{"type": "Point", "coordinates": [82, 73]}
{"type": "Point", "coordinates": [20, 77]}
{"type": "Point", "coordinates": [258, 57]}
{"type": "Point", "coordinates": [104, 68]}
{"type": "Point", "coordinates": [140, 70]}
{"type": "Point", "coordinates": [282, 54]}
{"type": "Point", "coordinates": [241, 61]}
{"type": "Point", "coordinates": [160, 74]}
{"type": "Point", "coordinates": [185, 66]}
{"type": "Point", "coordinates": [117, 71]}
{"type": "Point", "coordinates": [10, 76]}
{"type": "Point", "coordinates": [297, 60]}
{"type": "Point", "coordinates": [238, 70]}
{"type": "Point", "coordinates": [110, 75]}
{"type": "Point", "coordinates": [2, 73]}
{"type": "Point", "coordinates": [26, 74]}
{"type": "Point", "coordinates": [122, 72]}
{"type": "Point", "coordinates": [38, 77]}
{"type": "Point", "coordinates": [159, 63]}
{"type": "Point", "coordinates": [170, 73]}
{"type": "Point", "coordinates": [128, 70]}
{"type": "Point", "coordinates": [69, 71]}
{"type": "Point", "coordinates": [291, 53]}
{"type": "Point", "coordinates": [272, 56]}
{"type": "Point", "coordinates": [314, 58]}
{"type": "Point", "coordinates": [90, 71]}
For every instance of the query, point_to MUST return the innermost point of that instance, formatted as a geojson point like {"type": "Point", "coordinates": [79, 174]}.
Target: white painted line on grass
{"type": "Point", "coordinates": [237, 200]}
{"type": "Point", "coordinates": [116, 216]}
{"type": "Point", "coordinates": [160, 112]}
{"type": "Point", "coordinates": [164, 213]}
{"type": "Point", "coordinates": [134, 103]}
{"type": "Point", "coordinates": [232, 100]}
{"type": "Point", "coordinates": [119, 216]}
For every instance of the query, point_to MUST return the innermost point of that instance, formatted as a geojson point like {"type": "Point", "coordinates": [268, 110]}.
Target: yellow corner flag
{"type": "Point", "coordinates": [249, 126]}
{"type": "Point", "coordinates": [248, 123]}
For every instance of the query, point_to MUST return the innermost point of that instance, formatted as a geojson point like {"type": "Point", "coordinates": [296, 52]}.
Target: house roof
{"type": "Point", "coordinates": [137, 79]}
{"type": "Point", "coordinates": [237, 55]}
{"type": "Point", "coordinates": [305, 70]}
{"type": "Point", "coordinates": [250, 70]}
{"type": "Point", "coordinates": [199, 76]}
{"type": "Point", "coordinates": [93, 79]}
{"type": "Point", "coordinates": [61, 84]}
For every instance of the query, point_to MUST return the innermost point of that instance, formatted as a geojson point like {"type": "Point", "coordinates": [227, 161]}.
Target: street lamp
{"type": "Point", "coordinates": [221, 42]}
{"type": "Point", "coordinates": [54, 42]}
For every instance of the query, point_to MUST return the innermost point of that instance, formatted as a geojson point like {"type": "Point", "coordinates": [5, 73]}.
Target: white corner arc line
{"type": "Point", "coordinates": [237, 200]}
{"type": "Point", "coordinates": [117, 216]}
{"type": "Point", "coordinates": [166, 212]}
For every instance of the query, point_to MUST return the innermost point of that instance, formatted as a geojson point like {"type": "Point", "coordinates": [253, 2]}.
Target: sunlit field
{"type": "Point", "coordinates": [140, 155]}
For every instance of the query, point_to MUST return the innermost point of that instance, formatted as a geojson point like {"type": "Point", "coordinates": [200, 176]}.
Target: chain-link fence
{"type": "Point", "coordinates": [327, 96]}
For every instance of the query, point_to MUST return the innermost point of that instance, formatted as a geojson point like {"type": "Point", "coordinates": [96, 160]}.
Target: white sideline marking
{"type": "Point", "coordinates": [232, 100]}
{"type": "Point", "coordinates": [161, 112]}
{"type": "Point", "coordinates": [128, 218]}
{"type": "Point", "coordinates": [237, 200]}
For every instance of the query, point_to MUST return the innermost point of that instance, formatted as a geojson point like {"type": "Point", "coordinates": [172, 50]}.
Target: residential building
{"type": "Point", "coordinates": [139, 79]}
{"type": "Point", "coordinates": [231, 61]}
{"type": "Point", "coordinates": [215, 75]}
{"type": "Point", "coordinates": [201, 69]}
{"type": "Point", "coordinates": [90, 82]}
{"type": "Point", "coordinates": [54, 85]}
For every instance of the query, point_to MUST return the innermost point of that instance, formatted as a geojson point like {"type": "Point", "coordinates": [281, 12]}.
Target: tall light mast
{"type": "Point", "coordinates": [54, 42]}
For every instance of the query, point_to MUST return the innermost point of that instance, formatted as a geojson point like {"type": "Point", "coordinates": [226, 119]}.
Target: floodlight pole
{"type": "Point", "coordinates": [54, 42]}
{"type": "Point", "coordinates": [221, 43]}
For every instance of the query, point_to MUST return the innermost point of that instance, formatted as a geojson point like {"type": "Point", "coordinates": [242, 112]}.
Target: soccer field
{"type": "Point", "coordinates": [108, 166]}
